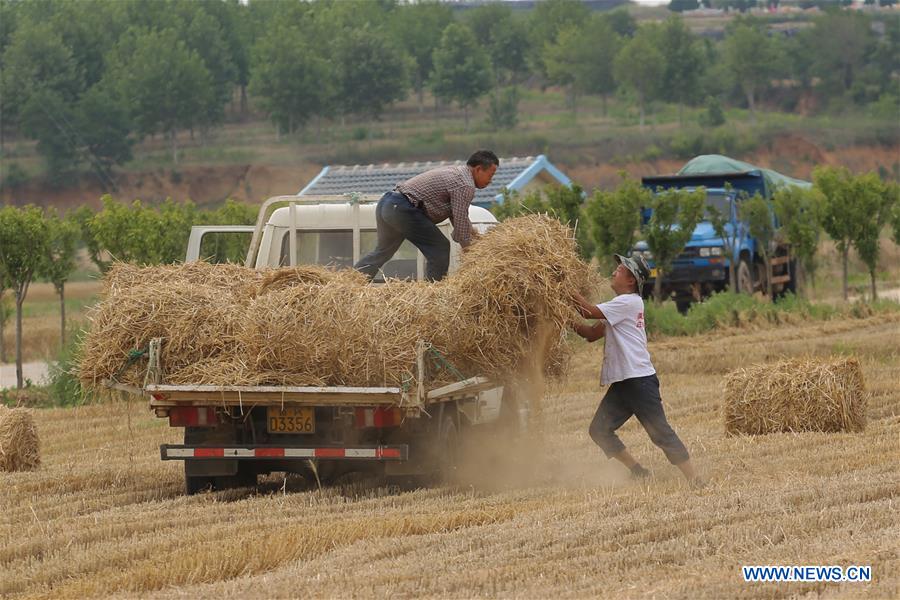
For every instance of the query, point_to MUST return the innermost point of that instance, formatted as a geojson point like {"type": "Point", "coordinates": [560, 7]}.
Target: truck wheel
{"type": "Point", "coordinates": [683, 305]}
{"type": "Point", "coordinates": [194, 484]}
{"type": "Point", "coordinates": [744, 278]}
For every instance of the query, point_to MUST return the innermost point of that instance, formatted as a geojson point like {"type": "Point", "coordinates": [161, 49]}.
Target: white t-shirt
{"type": "Point", "coordinates": [625, 354]}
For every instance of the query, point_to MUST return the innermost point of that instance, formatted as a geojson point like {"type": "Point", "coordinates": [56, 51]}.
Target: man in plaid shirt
{"type": "Point", "coordinates": [413, 208]}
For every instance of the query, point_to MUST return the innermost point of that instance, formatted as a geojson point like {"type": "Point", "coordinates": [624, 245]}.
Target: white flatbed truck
{"type": "Point", "coordinates": [232, 434]}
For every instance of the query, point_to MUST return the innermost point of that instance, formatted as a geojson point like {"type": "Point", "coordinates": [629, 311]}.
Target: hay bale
{"type": "Point", "coordinates": [796, 395]}
{"type": "Point", "coordinates": [500, 314]}
{"type": "Point", "coordinates": [19, 447]}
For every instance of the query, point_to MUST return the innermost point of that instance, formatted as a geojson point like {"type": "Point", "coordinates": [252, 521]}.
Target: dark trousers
{"type": "Point", "coordinates": [638, 396]}
{"type": "Point", "coordinates": [397, 220]}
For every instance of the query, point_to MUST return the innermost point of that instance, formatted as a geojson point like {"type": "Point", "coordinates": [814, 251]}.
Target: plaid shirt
{"type": "Point", "coordinates": [444, 192]}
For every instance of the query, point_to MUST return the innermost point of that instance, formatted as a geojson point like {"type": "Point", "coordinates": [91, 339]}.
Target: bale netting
{"type": "Point", "coordinates": [19, 447]}
{"type": "Point", "coordinates": [796, 395]}
{"type": "Point", "coordinates": [501, 314]}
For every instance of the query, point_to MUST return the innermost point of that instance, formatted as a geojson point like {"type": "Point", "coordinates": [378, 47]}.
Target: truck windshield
{"type": "Point", "coordinates": [719, 201]}
{"type": "Point", "coordinates": [334, 248]}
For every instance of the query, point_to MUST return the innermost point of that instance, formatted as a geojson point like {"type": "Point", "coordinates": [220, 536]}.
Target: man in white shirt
{"type": "Point", "coordinates": [627, 370]}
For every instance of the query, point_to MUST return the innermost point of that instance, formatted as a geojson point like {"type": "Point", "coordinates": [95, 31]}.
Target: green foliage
{"type": "Point", "coordinates": [292, 82]}
{"type": "Point", "coordinates": [562, 202]}
{"type": "Point", "coordinates": [894, 189]}
{"type": "Point", "coordinates": [372, 72]}
{"type": "Point", "coordinates": [799, 212]}
{"type": "Point", "coordinates": [143, 235]}
{"type": "Point", "coordinates": [419, 26]}
{"type": "Point", "coordinates": [750, 57]}
{"type": "Point", "coordinates": [689, 143]}
{"type": "Point", "coordinates": [503, 110]}
{"type": "Point", "coordinates": [547, 20]}
{"type": "Point", "coordinates": [164, 82]}
{"type": "Point", "coordinates": [462, 71]}
{"type": "Point", "coordinates": [713, 116]}
{"type": "Point", "coordinates": [854, 211]}
{"type": "Point", "coordinates": [758, 215]}
{"type": "Point", "coordinates": [104, 127]}
{"type": "Point", "coordinates": [62, 239]}
{"type": "Point", "coordinates": [839, 62]}
{"type": "Point", "coordinates": [675, 214]}
{"type": "Point", "coordinates": [64, 388]}
{"type": "Point", "coordinates": [581, 58]}
{"type": "Point", "coordinates": [504, 37]}
{"type": "Point", "coordinates": [726, 309]}
{"type": "Point", "coordinates": [639, 66]}
{"type": "Point", "coordinates": [683, 5]}
{"type": "Point", "coordinates": [613, 218]}
{"type": "Point", "coordinates": [684, 62]}
{"type": "Point", "coordinates": [720, 222]}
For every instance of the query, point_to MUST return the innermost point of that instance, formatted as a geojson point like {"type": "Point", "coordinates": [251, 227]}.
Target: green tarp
{"type": "Point", "coordinates": [708, 164]}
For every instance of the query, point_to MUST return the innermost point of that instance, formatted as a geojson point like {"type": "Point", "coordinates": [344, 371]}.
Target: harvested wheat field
{"type": "Point", "coordinates": [105, 518]}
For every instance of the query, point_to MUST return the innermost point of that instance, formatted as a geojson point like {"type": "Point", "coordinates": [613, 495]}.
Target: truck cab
{"type": "Point", "coordinates": [328, 231]}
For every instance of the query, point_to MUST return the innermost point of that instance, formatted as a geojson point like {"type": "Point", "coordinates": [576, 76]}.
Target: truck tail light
{"type": "Point", "coordinates": [378, 417]}
{"type": "Point", "coordinates": [192, 416]}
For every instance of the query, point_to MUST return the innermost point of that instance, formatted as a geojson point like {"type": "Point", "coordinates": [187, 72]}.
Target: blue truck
{"type": "Point", "coordinates": [703, 267]}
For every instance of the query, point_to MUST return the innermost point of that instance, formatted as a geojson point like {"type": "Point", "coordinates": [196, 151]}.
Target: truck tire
{"type": "Point", "coordinates": [745, 280]}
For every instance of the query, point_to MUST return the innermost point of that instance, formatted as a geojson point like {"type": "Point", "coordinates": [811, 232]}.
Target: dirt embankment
{"type": "Point", "coordinates": [791, 154]}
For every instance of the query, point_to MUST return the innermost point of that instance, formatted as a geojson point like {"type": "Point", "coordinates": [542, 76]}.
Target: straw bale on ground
{"type": "Point", "coordinates": [19, 448]}
{"type": "Point", "coordinates": [796, 395]}
{"type": "Point", "coordinates": [499, 315]}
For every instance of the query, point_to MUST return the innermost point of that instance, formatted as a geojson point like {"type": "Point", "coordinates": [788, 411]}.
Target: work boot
{"type": "Point", "coordinates": [639, 472]}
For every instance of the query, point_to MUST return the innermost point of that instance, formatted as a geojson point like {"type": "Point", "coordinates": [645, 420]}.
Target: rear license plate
{"type": "Point", "coordinates": [291, 419]}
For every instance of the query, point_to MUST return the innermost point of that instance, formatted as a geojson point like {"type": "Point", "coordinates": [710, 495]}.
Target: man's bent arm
{"type": "Point", "coordinates": [586, 309]}
{"type": "Point", "coordinates": [591, 333]}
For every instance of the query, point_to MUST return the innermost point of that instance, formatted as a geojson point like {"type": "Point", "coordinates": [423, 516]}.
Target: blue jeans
{"type": "Point", "coordinates": [638, 397]}
{"type": "Point", "coordinates": [397, 220]}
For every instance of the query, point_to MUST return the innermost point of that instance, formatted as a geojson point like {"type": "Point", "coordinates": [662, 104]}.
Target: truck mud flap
{"type": "Point", "coordinates": [192, 453]}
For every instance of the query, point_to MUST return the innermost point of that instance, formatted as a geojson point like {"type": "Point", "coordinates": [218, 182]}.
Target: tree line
{"type": "Point", "coordinates": [37, 243]}
{"type": "Point", "coordinates": [852, 210]}
{"type": "Point", "coordinates": [87, 79]}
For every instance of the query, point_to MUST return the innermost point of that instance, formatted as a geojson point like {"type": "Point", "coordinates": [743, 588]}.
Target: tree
{"type": "Point", "coordinates": [37, 61]}
{"type": "Point", "coordinates": [59, 260]}
{"type": "Point", "coordinates": [291, 80]}
{"type": "Point", "coordinates": [104, 127]}
{"type": "Point", "coordinates": [546, 21]}
{"type": "Point", "coordinates": [228, 248]}
{"type": "Point", "coordinates": [722, 224]}
{"type": "Point", "coordinates": [40, 80]}
{"type": "Point", "coordinates": [639, 66]}
{"type": "Point", "coordinates": [23, 240]}
{"type": "Point", "coordinates": [461, 69]}
{"type": "Point", "coordinates": [143, 235]}
{"type": "Point", "coordinates": [164, 83]}
{"type": "Point", "coordinates": [836, 210]}
{"type": "Point", "coordinates": [799, 214]}
{"type": "Point", "coordinates": [757, 213]}
{"type": "Point", "coordinates": [419, 26]}
{"type": "Point", "coordinates": [581, 58]}
{"type": "Point", "coordinates": [843, 41]}
{"type": "Point", "coordinates": [675, 214]}
{"type": "Point", "coordinates": [504, 37]}
{"type": "Point", "coordinates": [83, 218]}
{"type": "Point", "coordinates": [684, 63]}
{"type": "Point", "coordinates": [875, 202]}
{"type": "Point", "coordinates": [613, 218]}
{"type": "Point", "coordinates": [372, 72]}
{"type": "Point", "coordinates": [751, 58]}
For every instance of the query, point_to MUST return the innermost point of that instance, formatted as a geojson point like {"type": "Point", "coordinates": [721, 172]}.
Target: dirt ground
{"type": "Point", "coordinates": [105, 517]}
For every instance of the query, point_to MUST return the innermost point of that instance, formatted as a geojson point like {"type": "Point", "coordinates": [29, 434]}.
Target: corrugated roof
{"type": "Point", "coordinates": [378, 179]}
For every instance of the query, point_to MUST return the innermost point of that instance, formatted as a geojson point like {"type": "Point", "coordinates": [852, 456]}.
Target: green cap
{"type": "Point", "coordinates": [637, 266]}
